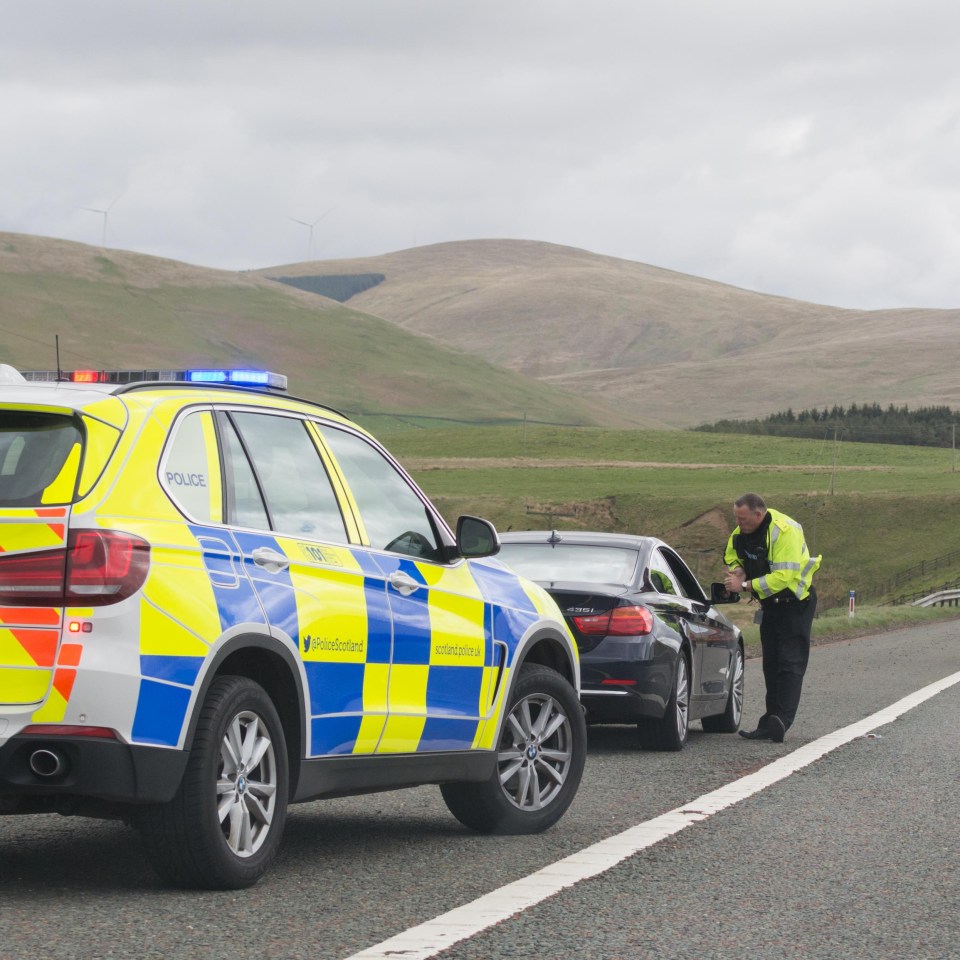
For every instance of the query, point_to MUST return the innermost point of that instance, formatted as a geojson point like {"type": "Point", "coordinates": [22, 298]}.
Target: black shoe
{"type": "Point", "coordinates": [776, 731]}
{"type": "Point", "coordinates": [761, 733]}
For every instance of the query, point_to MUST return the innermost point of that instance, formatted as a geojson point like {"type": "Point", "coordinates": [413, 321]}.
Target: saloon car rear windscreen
{"type": "Point", "coordinates": [583, 563]}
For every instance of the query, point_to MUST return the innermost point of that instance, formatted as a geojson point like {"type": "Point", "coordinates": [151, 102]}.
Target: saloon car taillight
{"type": "Point", "coordinates": [619, 622]}
{"type": "Point", "coordinates": [96, 567]}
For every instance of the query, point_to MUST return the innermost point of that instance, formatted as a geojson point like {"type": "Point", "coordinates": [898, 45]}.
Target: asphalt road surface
{"type": "Point", "coordinates": [855, 855]}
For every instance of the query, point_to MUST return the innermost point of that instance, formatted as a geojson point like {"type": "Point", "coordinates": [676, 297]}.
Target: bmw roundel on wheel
{"type": "Point", "coordinates": [217, 600]}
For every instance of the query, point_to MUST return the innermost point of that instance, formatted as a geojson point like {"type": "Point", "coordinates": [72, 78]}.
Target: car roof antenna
{"type": "Point", "coordinates": [554, 538]}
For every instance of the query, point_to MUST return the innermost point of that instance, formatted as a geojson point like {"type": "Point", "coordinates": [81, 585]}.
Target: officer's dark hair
{"type": "Point", "coordinates": [752, 501]}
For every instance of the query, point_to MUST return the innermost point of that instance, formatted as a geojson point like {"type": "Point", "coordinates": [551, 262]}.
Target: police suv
{"type": "Point", "coordinates": [217, 600]}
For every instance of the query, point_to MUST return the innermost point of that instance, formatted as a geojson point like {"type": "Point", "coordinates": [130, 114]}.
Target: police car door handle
{"type": "Point", "coordinates": [271, 560]}
{"type": "Point", "coordinates": [403, 583]}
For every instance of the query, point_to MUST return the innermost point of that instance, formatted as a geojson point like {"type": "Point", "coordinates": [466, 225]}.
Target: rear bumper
{"type": "Point", "coordinates": [74, 769]}
{"type": "Point", "coordinates": [622, 689]}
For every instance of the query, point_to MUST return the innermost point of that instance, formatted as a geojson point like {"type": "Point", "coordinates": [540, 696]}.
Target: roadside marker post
{"type": "Point", "coordinates": [853, 602]}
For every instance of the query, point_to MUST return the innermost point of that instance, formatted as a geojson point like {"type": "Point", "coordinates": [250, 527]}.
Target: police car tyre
{"type": "Point", "coordinates": [670, 731]}
{"type": "Point", "coordinates": [223, 827]}
{"type": "Point", "coordinates": [729, 720]}
{"type": "Point", "coordinates": [540, 758]}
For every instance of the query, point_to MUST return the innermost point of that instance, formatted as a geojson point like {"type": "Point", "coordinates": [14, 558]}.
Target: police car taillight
{"type": "Point", "coordinates": [97, 567]}
{"type": "Point", "coordinates": [105, 566]}
{"type": "Point", "coordinates": [33, 579]}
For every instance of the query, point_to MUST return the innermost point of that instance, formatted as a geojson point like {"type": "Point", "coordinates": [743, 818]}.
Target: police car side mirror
{"type": "Point", "coordinates": [476, 537]}
{"type": "Point", "coordinates": [720, 594]}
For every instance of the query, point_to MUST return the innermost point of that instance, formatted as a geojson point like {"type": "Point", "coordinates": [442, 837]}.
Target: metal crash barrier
{"type": "Point", "coordinates": [942, 598]}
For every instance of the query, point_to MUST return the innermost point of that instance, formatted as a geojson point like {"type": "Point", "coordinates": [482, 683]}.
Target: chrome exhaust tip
{"type": "Point", "coordinates": [47, 763]}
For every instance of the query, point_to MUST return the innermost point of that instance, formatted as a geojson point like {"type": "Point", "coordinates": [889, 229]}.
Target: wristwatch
{"type": "Point", "coordinates": [745, 585]}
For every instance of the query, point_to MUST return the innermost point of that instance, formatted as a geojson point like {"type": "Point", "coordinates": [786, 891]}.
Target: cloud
{"type": "Point", "coordinates": [804, 149]}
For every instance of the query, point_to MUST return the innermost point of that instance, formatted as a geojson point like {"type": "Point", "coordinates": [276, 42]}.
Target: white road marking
{"type": "Point", "coordinates": [430, 938]}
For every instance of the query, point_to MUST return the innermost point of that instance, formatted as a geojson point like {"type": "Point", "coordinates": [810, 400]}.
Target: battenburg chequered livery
{"type": "Point", "coordinates": [216, 600]}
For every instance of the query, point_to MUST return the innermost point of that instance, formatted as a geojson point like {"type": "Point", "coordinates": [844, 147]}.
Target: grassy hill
{"type": "Point", "coordinates": [879, 514]}
{"type": "Point", "coordinates": [672, 349]}
{"type": "Point", "coordinates": [113, 309]}
{"type": "Point", "coordinates": [479, 330]}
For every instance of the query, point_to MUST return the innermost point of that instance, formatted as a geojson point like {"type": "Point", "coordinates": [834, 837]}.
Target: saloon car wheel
{"type": "Point", "coordinates": [540, 759]}
{"type": "Point", "coordinates": [729, 720]}
{"type": "Point", "coordinates": [223, 826]}
{"type": "Point", "coordinates": [670, 731]}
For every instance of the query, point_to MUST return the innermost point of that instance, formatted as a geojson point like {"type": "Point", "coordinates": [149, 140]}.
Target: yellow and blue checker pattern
{"type": "Point", "coordinates": [184, 610]}
{"type": "Point", "coordinates": [384, 672]}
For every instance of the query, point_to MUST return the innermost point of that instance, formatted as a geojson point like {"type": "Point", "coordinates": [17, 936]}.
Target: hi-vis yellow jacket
{"type": "Point", "coordinates": [791, 566]}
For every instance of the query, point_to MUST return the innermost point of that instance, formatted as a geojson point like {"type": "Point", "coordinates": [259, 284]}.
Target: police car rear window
{"type": "Point", "coordinates": [39, 458]}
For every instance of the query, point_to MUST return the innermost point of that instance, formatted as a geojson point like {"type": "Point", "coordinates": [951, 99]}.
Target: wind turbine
{"type": "Point", "coordinates": [105, 214]}
{"type": "Point", "coordinates": [305, 223]}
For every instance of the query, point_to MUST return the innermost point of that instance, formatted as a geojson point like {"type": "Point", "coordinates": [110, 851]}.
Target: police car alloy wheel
{"type": "Point", "coordinates": [540, 760]}
{"type": "Point", "coordinates": [224, 826]}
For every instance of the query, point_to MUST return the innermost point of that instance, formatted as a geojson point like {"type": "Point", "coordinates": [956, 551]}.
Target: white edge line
{"type": "Point", "coordinates": [430, 938]}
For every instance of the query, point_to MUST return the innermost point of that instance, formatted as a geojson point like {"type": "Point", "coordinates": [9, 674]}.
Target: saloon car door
{"type": "Point", "coordinates": [691, 618]}
{"type": "Point", "coordinates": [713, 642]}
{"type": "Point", "coordinates": [441, 673]}
{"type": "Point", "coordinates": [294, 540]}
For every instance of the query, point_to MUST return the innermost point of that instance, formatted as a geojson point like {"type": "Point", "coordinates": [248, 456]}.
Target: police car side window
{"type": "Point", "coordinates": [394, 516]}
{"type": "Point", "coordinates": [186, 469]}
{"type": "Point", "coordinates": [300, 498]}
{"type": "Point", "coordinates": [244, 503]}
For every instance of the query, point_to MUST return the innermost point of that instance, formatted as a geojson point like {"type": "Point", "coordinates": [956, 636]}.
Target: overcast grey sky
{"type": "Point", "coordinates": [807, 148]}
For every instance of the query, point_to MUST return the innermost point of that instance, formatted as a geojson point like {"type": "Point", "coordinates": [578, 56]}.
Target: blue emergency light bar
{"type": "Point", "coordinates": [247, 378]}
{"type": "Point", "coordinates": [255, 378]}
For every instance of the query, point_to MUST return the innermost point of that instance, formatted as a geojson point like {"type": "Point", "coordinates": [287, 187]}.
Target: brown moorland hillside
{"type": "Point", "coordinates": [672, 349]}
{"type": "Point", "coordinates": [113, 309]}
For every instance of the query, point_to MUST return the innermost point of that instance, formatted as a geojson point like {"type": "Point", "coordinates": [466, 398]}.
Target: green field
{"type": "Point", "coordinates": [874, 511]}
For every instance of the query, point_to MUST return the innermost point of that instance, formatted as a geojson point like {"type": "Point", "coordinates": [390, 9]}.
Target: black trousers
{"type": "Point", "coordinates": [785, 641]}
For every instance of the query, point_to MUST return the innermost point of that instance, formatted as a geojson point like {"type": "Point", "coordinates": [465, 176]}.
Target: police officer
{"type": "Point", "coordinates": [767, 555]}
